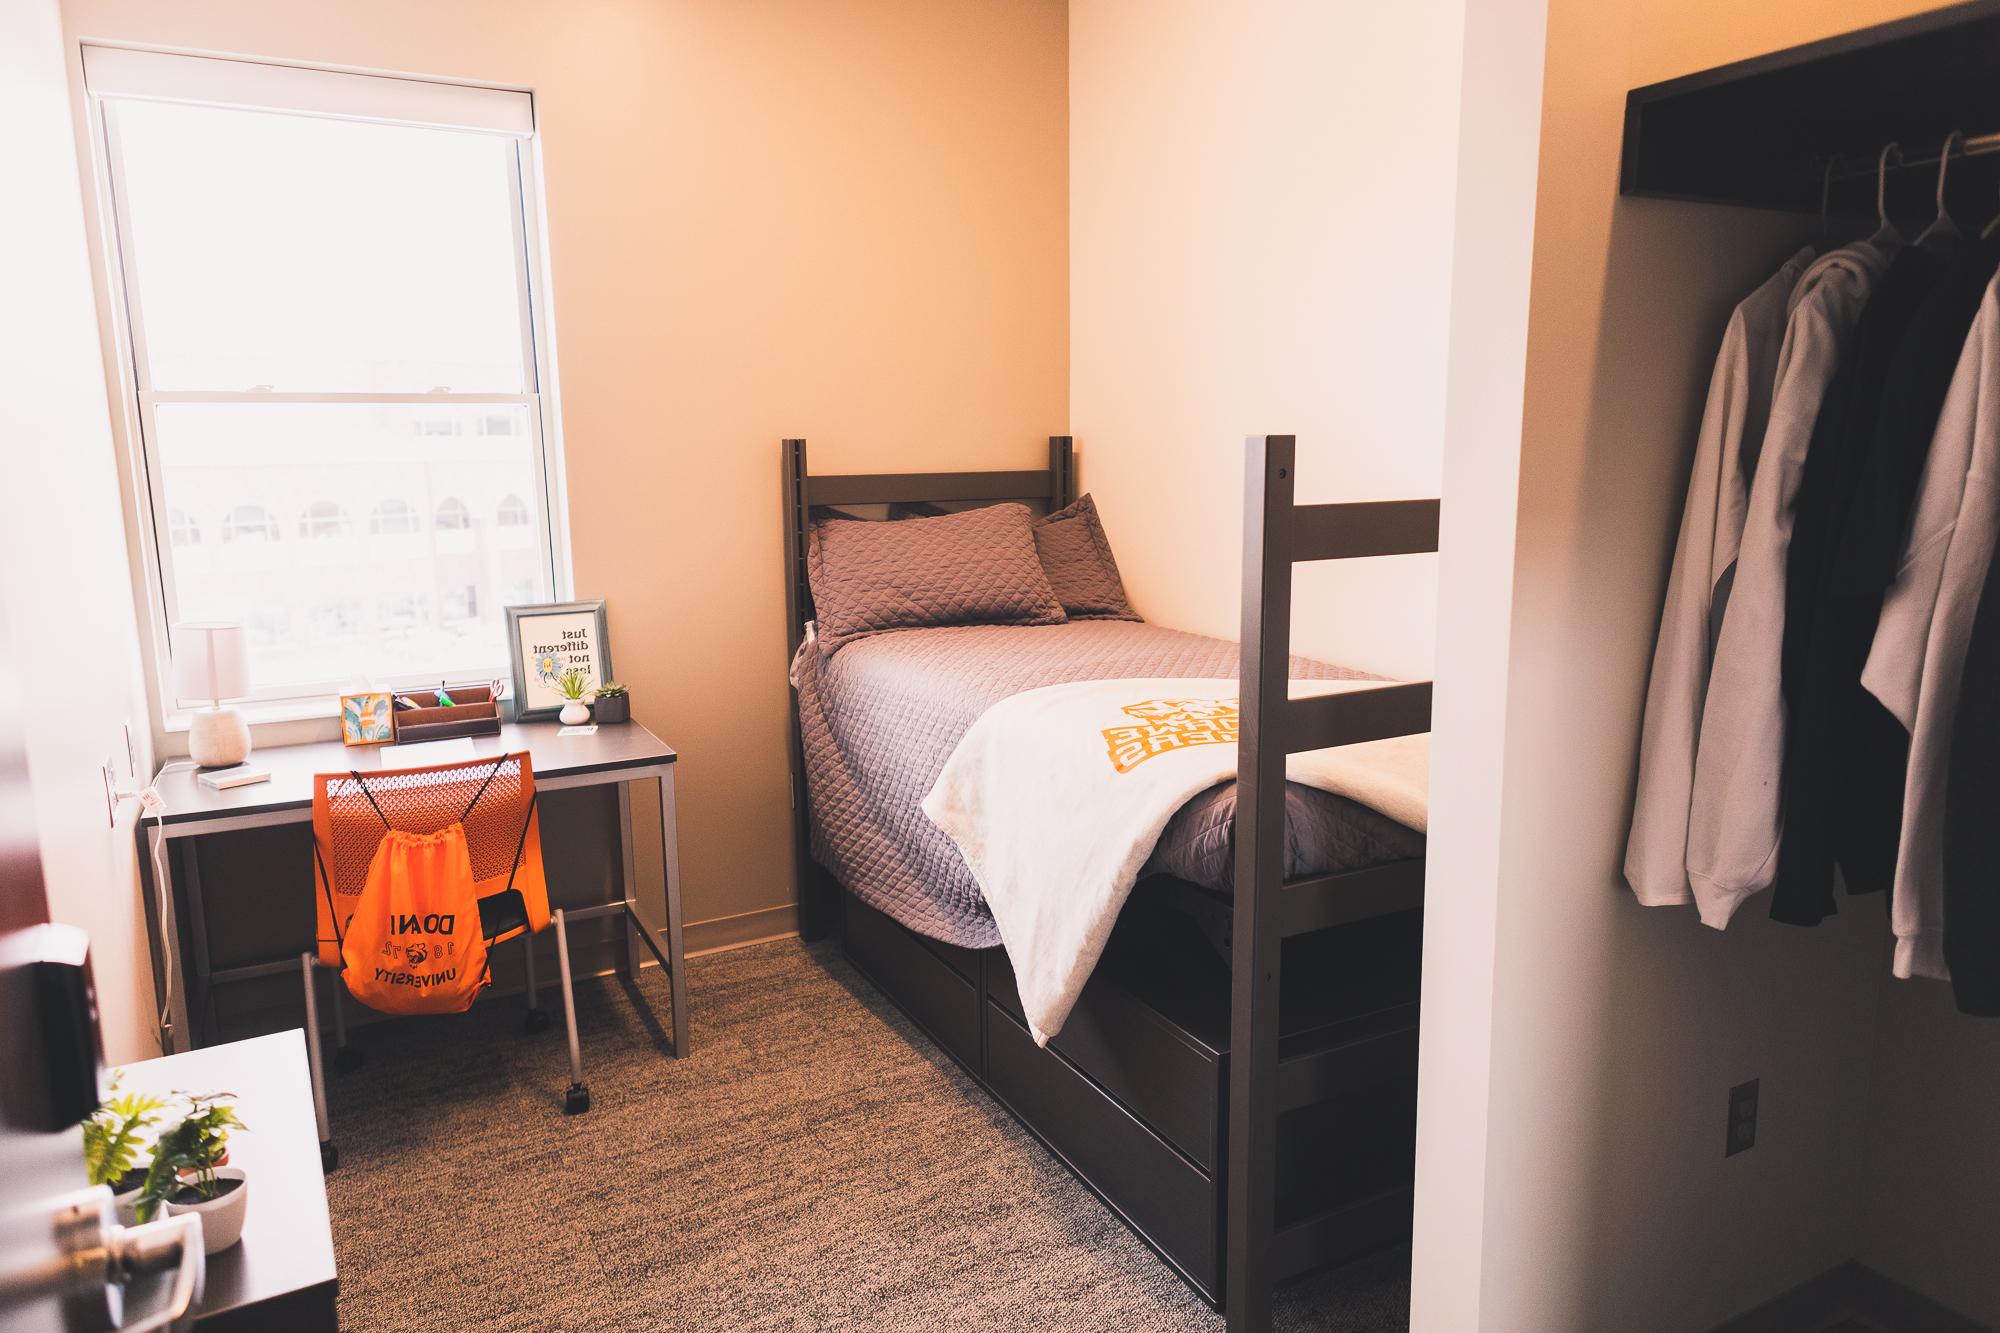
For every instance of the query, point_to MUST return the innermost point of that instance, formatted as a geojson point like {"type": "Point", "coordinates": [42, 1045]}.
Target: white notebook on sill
{"type": "Point", "coordinates": [237, 775]}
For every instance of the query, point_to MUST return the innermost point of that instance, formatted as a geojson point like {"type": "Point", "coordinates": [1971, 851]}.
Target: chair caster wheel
{"type": "Point", "coordinates": [577, 1100]}
{"type": "Point", "coordinates": [329, 1157]}
{"type": "Point", "coordinates": [347, 1059]}
{"type": "Point", "coordinates": [536, 1021]}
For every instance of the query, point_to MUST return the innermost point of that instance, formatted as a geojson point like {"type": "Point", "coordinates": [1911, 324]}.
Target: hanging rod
{"type": "Point", "coordinates": [1976, 146]}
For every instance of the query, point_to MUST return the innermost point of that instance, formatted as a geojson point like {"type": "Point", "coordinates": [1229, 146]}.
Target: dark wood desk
{"type": "Point", "coordinates": [282, 1273]}
{"type": "Point", "coordinates": [617, 754]}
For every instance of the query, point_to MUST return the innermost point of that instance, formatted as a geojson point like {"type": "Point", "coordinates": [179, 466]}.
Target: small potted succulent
{"type": "Point", "coordinates": [574, 687]}
{"type": "Point", "coordinates": [614, 703]}
{"type": "Point", "coordinates": [190, 1173]}
{"type": "Point", "coordinates": [114, 1141]}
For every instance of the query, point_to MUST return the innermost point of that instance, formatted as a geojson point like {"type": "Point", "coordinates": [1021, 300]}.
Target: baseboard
{"type": "Point", "coordinates": [745, 928]}
{"type": "Point", "coordinates": [1852, 1292]}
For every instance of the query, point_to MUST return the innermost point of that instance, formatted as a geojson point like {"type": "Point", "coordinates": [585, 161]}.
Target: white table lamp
{"type": "Point", "coordinates": [212, 662]}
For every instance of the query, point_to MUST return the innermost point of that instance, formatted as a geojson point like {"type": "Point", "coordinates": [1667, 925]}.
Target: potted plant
{"type": "Point", "coordinates": [614, 703]}
{"type": "Point", "coordinates": [574, 686]}
{"type": "Point", "coordinates": [113, 1139]}
{"type": "Point", "coordinates": [190, 1172]}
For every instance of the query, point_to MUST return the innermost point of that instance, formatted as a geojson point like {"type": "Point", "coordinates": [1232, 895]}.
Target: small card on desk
{"type": "Point", "coordinates": [237, 775]}
{"type": "Point", "coordinates": [587, 729]}
{"type": "Point", "coordinates": [455, 750]}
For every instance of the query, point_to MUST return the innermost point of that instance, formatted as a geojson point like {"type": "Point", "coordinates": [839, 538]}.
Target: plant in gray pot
{"type": "Point", "coordinates": [191, 1174]}
{"type": "Point", "coordinates": [613, 704]}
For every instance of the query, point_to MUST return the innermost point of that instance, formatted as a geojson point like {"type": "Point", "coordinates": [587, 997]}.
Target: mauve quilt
{"type": "Point", "coordinates": [880, 716]}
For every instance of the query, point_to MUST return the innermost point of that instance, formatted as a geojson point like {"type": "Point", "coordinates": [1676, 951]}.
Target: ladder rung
{"type": "Point", "coordinates": [1364, 528]}
{"type": "Point", "coordinates": [1351, 895]}
{"type": "Point", "coordinates": [1321, 721]}
{"type": "Point", "coordinates": [1348, 1065]}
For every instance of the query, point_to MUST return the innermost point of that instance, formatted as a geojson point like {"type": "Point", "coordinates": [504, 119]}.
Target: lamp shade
{"type": "Point", "coordinates": [211, 661]}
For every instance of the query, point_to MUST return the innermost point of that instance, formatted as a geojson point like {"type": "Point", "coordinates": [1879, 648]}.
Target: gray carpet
{"type": "Point", "coordinates": [814, 1164]}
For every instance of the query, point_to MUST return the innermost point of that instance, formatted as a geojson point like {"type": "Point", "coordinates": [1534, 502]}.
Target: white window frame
{"type": "Point", "coordinates": [155, 73]}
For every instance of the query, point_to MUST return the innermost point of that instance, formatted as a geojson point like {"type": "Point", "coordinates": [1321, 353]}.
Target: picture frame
{"type": "Point", "coordinates": [368, 719]}
{"type": "Point", "coordinates": [547, 639]}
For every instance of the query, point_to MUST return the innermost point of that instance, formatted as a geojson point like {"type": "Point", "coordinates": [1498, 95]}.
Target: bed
{"type": "Point", "coordinates": [1134, 1093]}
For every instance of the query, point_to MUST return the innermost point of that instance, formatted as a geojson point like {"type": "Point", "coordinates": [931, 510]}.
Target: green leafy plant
{"type": "Point", "coordinates": [195, 1146]}
{"type": "Point", "coordinates": [611, 689]}
{"type": "Point", "coordinates": [573, 684]}
{"type": "Point", "coordinates": [115, 1132]}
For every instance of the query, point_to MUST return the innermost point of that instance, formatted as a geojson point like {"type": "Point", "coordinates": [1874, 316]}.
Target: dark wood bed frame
{"type": "Point", "coordinates": [1252, 1122]}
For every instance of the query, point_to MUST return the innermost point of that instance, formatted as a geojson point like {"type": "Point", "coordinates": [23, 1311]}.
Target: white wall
{"type": "Point", "coordinates": [62, 546]}
{"type": "Point", "coordinates": [1500, 137]}
{"type": "Point", "coordinates": [1260, 241]}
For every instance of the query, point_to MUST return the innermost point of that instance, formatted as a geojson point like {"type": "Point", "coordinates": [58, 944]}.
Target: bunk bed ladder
{"type": "Point", "coordinates": [1276, 535]}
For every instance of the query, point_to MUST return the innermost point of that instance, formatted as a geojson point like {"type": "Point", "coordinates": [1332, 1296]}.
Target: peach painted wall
{"type": "Point", "coordinates": [845, 220]}
{"type": "Point", "coordinates": [1260, 241]}
{"type": "Point", "coordinates": [1586, 1045]}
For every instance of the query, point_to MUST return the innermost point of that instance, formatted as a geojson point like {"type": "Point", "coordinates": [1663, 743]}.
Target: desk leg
{"type": "Point", "coordinates": [200, 992]}
{"type": "Point", "coordinates": [630, 957]}
{"type": "Point", "coordinates": [670, 864]}
{"type": "Point", "coordinates": [174, 1037]}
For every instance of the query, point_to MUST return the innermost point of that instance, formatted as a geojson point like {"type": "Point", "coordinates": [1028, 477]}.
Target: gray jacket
{"type": "Point", "coordinates": [1734, 816]}
{"type": "Point", "coordinates": [1725, 455]}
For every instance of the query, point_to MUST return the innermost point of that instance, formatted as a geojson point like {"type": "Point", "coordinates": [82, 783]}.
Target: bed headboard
{"type": "Point", "coordinates": [1055, 485]}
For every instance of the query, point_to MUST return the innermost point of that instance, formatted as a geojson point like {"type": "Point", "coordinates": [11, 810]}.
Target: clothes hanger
{"type": "Point", "coordinates": [1944, 227]}
{"type": "Point", "coordinates": [1885, 231]}
{"type": "Point", "coordinates": [1824, 237]}
{"type": "Point", "coordinates": [1987, 232]}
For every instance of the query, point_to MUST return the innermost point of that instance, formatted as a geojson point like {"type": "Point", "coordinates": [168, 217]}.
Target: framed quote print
{"type": "Point", "coordinates": [546, 643]}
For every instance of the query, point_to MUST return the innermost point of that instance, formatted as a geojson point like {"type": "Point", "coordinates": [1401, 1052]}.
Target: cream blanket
{"type": "Point", "coordinates": [1056, 797]}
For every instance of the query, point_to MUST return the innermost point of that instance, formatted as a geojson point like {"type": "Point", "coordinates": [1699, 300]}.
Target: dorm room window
{"type": "Point", "coordinates": [332, 314]}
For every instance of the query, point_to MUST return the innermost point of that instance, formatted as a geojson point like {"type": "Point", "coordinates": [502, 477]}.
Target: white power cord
{"type": "Point", "coordinates": [151, 802]}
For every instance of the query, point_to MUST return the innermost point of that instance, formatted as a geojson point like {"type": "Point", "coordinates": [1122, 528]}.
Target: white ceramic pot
{"type": "Point", "coordinates": [127, 1204]}
{"type": "Point", "coordinates": [222, 1216]}
{"type": "Point", "coordinates": [575, 713]}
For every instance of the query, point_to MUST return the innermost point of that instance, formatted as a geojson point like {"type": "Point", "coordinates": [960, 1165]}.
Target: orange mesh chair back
{"type": "Point", "coordinates": [493, 798]}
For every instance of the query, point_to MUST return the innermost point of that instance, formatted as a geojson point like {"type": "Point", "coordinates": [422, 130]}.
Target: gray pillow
{"type": "Point", "coordinates": [1076, 556]}
{"type": "Point", "coordinates": [974, 568]}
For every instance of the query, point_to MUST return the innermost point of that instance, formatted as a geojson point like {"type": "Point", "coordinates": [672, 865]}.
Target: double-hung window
{"type": "Point", "coordinates": [331, 297]}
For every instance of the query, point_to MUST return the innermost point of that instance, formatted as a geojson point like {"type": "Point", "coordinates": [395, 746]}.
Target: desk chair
{"type": "Point", "coordinates": [494, 799]}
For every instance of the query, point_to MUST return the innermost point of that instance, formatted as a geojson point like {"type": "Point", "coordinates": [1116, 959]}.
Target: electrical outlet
{"type": "Point", "coordinates": [1742, 1118]}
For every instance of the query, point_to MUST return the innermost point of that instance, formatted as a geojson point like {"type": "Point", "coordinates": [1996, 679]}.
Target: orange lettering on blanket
{"type": "Point", "coordinates": [1165, 725]}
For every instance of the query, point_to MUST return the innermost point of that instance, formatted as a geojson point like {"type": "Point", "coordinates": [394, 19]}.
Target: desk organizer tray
{"type": "Point", "coordinates": [473, 712]}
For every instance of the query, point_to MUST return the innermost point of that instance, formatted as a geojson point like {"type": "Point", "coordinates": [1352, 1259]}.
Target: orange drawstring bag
{"type": "Point", "coordinates": [414, 944]}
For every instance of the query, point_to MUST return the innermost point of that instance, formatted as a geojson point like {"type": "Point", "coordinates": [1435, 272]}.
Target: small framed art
{"type": "Point", "coordinates": [367, 719]}
{"type": "Point", "coordinates": [547, 642]}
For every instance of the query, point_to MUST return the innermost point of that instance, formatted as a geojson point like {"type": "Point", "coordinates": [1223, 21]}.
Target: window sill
{"type": "Point", "coordinates": [272, 722]}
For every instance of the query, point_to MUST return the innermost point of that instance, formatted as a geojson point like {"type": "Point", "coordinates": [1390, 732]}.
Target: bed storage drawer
{"type": "Point", "coordinates": [1164, 1076]}
{"type": "Point", "coordinates": [928, 988]}
{"type": "Point", "coordinates": [1164, 1197]}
